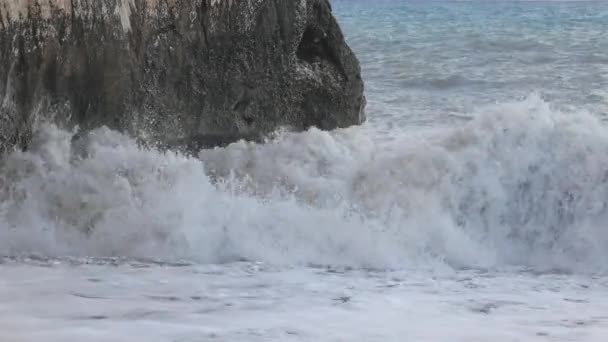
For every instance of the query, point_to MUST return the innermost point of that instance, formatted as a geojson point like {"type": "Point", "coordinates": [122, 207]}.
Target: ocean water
{"type": "Point", "coordinates": [472, 206]}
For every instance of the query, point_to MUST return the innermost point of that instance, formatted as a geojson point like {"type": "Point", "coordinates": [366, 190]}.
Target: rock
{"type": "Point", "coordinates": [171, 70]}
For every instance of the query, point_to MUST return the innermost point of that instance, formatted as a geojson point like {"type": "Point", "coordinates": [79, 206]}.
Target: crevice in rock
{"type": "Point", "coordinates": [315, 48]}
{"type": "Point", "coordinates": [248, 120]}
{"type": "Point", "coordinates": [309, 49]}
{"type": "Point", "coordinates": [241, 105]}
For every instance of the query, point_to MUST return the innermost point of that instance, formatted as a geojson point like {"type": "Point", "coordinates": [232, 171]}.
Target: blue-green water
{"type": "Point", "coordinates": [426, 62]}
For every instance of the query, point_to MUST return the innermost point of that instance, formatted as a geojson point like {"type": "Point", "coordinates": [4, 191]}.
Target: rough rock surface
{"type": "Point", "coordinates": [207, 71]}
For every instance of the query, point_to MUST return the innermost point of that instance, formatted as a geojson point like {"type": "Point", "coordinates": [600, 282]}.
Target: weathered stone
{"type": "Point", "coordinates": [175, 70]}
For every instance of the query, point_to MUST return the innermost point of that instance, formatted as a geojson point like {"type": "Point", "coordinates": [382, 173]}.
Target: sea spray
{"type": "Point", "coordinates": [521, 184]}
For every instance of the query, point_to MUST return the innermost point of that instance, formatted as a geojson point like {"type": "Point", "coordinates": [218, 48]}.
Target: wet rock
{"type": "Point", "coordinates": [168, 70]}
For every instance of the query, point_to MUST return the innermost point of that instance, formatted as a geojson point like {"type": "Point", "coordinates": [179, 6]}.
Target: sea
{"type": "Point", "coordinates": [471, 206]}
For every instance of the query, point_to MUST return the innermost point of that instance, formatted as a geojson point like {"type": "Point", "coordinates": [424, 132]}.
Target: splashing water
{"type": "Point", "coordinates": [519, 185]}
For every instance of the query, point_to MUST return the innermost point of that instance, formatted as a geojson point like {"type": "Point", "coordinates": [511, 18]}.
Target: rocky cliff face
{"type": "Point", "coordinates": [208, 71]}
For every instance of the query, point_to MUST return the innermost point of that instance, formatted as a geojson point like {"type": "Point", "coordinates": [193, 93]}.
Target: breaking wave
{"type": "Point", "coordinates": [520, 185]}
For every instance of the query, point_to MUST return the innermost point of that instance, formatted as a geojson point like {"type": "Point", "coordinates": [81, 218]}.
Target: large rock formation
{"type": "Point", "coordinates": [175, 70]}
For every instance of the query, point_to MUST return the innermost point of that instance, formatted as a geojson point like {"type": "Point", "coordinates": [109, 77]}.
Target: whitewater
{"type": "Point", "coordinates": [472, 206]}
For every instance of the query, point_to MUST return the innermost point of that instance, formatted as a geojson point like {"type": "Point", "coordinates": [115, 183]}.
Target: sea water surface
{"type": "Point", "coordinates": [472, 206]}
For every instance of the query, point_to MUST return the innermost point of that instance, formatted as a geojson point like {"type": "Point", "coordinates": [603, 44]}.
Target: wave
{"type": "Point", "coordinates": [446, 83]}
{"type": "Point", "coordinates": [521, 185]}
{"type": "Point", "coordinates": [503, 45]}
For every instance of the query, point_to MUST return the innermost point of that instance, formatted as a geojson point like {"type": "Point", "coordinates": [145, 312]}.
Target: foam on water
{"type": "Point", "coordinates": [520, 184]}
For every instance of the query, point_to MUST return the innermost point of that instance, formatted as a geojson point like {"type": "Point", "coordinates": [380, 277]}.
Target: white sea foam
{"type": "Point", "coordinates": [521, 184]}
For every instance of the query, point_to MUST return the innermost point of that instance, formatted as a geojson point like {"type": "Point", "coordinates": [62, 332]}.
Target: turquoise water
{"type": "Point", "coordinates": [430, 62]}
